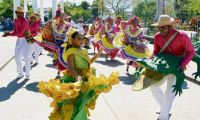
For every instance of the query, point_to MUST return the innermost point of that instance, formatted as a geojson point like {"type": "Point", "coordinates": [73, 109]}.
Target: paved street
{"type": "Point", "coordinates": [20, 100]}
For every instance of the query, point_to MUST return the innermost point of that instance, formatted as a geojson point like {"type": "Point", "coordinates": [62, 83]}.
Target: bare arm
{"type": "Point", "coordinates": [91, 30]}
{"type": "Point", "coordinates": [71, 63]}
{"type": "Point", "coordinates": [94, 58]}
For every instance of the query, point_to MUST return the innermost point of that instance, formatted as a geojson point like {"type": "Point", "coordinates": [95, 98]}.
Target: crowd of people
{"type": "Point", "coordinates": [77, 88]}
{"type": "Point", "coordinates": [6, 24]}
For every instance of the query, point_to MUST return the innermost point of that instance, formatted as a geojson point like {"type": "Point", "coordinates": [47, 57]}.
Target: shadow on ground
{"type": "Point", "coordinates": [127, 80]}
{"type": "Point", "coordinates": [110, 63]}
{"type": "Point", "coordinates": [50, 66]}
{"type": "Point", "coordinates": [32, 87]}
{"type": "Point", "coordinates": [10, 89]}
{"type": "Point", "coordinates": [92, 54]}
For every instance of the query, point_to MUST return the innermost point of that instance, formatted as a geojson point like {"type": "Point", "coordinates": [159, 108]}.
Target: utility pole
{"type": "Point", "coordinates": [163, 6]}
{"type": "Point", "coordinates": [160, 9]}
{"type": "Point", "coordinates": [102, 5]}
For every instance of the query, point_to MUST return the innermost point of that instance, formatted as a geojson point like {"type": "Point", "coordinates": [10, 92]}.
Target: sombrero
{"type": "Point", "coordinates": [20, 10]}
{"type": "Point", "coordinates": [163, 21]}
{"type": "Point", "coordinates": [36, 15]}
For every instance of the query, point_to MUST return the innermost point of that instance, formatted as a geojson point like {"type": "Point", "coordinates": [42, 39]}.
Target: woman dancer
{"type": "Point", "coordinates": [107, 37]}
{"type": "Point", "coordinates": [95, 31]}
{"type": "Point", "coordinates": [76, 92]}
{"type": "Point", "coordinates": [135, 46]}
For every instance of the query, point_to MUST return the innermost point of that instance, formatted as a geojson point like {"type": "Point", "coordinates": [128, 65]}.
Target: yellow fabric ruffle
{"type": "Point", "coordinates": [135, 34]}
{"type": "Point", "coordinates": [54, 55]}
{"type": "Point", "coordinates": [117, 40]}
{"type": "Point", "coordinates": [94, 81]}
{"type": "Point", "coordinates": [70, 91]}
{"type": "Point", "coordinates": [106, 44]}
{"type": "Point", "coordinates": [59, 91]}
{"type": "Point", "coordinates": [97, 37]}
{"type": "Point", "coordinates": [131, 52]}
{"type": "Point", "coordinates": [38, 37]}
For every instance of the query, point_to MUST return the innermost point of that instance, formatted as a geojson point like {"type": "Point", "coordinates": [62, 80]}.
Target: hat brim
{"type": "Point", "coordinates": [158, 25]}
{"type": "Point", "coordinates": [155, 24]}
{"type": "Point", "coordinates": [19, 11]}
{"type": "Point", "coordinates": [37, 18]}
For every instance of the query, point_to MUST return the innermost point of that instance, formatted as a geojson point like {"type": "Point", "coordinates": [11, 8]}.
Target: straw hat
{"type": "Point", "coordinates": [134, 18]}
{"type": "Point", "coordinates": [80, 19]}
{"type": "Point", "coordinates": [67, 17]}
{"type": "Point", "coordinates": [163, 21]}
{"type": "Point", "coordinates": [19, 9]}
{"type": "Point", "coordinates": [36, 15]}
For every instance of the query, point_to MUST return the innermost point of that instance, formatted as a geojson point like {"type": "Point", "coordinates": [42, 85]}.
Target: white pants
{"type": "Point", "coordinates": [22, 51]}
{"type": "Point", "coordinates": [164, 100]}
{"type": "Point", "coordinates": [37, 50]}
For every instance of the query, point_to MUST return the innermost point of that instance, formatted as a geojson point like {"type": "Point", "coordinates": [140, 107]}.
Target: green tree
{"type": "Point", "coordinates": [192, 7]}
{"type": "Point", "coordinates": [119, 6]}
{"type": "Point", "coordinates": [146, 11]}
{"type": "Point", "coordinates": [85, 5]}
{"type": "Point", "coordinates": [95, 12]}
{"type": "Point", "coordinates": [68, 6]}
{"type": "Point", "coordinates": [6, 9]}
{"type": "Point", "coordinates": [186, 9]}
{"type": "Point", "coordinates": [100, 5]}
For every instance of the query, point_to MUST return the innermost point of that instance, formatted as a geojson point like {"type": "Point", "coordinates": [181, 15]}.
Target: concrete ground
{"type": "Point", "coordinates": [20, 100]}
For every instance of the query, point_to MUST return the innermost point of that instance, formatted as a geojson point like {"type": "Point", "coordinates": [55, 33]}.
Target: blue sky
{"type": "Point", "coordinates": [48, 3]}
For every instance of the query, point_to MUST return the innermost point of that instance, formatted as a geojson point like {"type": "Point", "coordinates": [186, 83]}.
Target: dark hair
{"type": "Point", "coordinates": [68, 46]}
{"type": "Point", "coordinates": [74, 35]}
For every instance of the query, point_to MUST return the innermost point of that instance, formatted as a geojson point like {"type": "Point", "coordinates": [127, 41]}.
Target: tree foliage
{"type": "Point", "coordinates": [186, 9]}
{"type": "Point", "coordinates": [6, 9]}
{"type": "Point", "coordinates": [119, 6]}
{"type": "Point", "coordinates": [84, 10]}
{"type": "Point", "coordinates": [146, 11]}
{"type": "Point", "coordinates": [85, 5]}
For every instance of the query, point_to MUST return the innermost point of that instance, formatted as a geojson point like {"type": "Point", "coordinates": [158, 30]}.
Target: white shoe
{"type": "Point", "coordinates": [20, 76]}
{"type": "Point", "coordinates": [36, 62]}
{"type": "Point", "coordinates": [158, 111]}
{"type": "Point", "coordinates": [27, 77]}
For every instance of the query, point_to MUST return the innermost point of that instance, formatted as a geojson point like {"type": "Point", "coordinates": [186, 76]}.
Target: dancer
{"type": "Point", "coordinates": [60, 28]}
{"type": "Point", "coordinates": [87, 38]}
{"type": "Point", "coordinates": [107, 37]}
{"type": "Point", "coordinates": [54, 37]}
{"type": "Point", "coordinates": [34, 22]}
{"type": "Point", "coordinates": [135, 46]}
{"type": "Point", "coordinates": [180, 45]}
{"type": "Point", "coordinates": [95, 31]}
{"type": "Point", "coordinates": [117, 24]}
{"type": "Point", "coordinates": [120, 39]}
{"type": "Point", "coordinates": [76, 93]}
{"type": "Point", "coordinates": [23, 47]}
{"type": "Point", "coordinates": [173, 50]}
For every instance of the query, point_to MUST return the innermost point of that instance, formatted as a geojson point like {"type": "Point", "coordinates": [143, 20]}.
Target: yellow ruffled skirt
{"type": "Point", "coordinates": [66, 95]}
{"type": "Point", "coordinates": [129, 53]}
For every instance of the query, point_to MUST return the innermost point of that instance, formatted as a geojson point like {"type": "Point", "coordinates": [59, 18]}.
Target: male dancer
{"type": "Point", "coordinates": [22, 48]}
{"type": "Point", "coordinates": [179, 46]}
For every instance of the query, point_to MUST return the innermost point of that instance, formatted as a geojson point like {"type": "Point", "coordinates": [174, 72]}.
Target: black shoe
{"type": "Point", "coordinates": [27, 78]}
{"type": "Point", "coordinates": [87, 47]}
{"type": "Point", "coordinates": [157, 112]}
{"type": "Point", "coordinates": [58, 76]}
{"type": "Point", "coordinates": [19, 77]}
{"type": "Point", "coordinates": [106, 57]}
{"type": "Point", "coordinates": [160, 119]}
